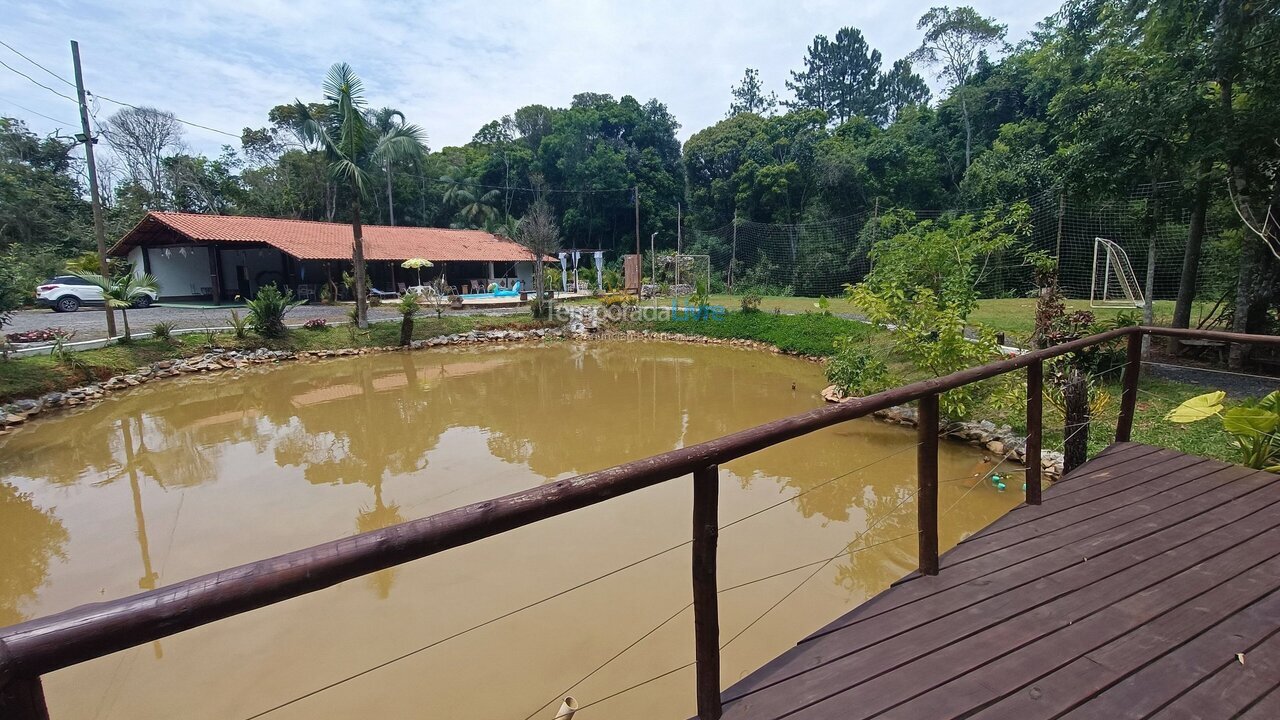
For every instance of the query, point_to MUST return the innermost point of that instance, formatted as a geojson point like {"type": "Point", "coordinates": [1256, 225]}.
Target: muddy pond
{"type": "Point", "coordinates": [184, 477]}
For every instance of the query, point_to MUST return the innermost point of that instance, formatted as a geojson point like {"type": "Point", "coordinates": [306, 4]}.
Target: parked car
{"type": "Point", "coordinates": [66, 293]}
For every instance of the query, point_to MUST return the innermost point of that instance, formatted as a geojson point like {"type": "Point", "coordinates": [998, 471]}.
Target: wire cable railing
{"type": "Point", "coordinates": [33, 648]}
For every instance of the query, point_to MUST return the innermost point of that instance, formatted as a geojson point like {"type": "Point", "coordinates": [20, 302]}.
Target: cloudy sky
{"type": "Point", "coordinates": [450, 65]}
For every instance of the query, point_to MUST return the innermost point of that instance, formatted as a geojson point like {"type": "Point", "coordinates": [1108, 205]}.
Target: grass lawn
{"type": "Point", "coordinates": [804, 334]}
{"type": "Point", "coordinates": [1014, 316]}
{"type": "Point", "coordinates": [33, 376]}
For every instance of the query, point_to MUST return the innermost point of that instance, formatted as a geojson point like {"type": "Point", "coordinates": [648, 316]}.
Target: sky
{"type": "Point", "coordinates": [451, 66]}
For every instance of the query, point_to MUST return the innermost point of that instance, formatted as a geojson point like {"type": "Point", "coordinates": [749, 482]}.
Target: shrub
{"type": "Point", "coordinates": [407, 307]}
{"type": "Point", "coordinates": [751, 302]}
{"type": "Point", "coordinates": [326, 295]}
{"type": "Point", "coordinates": [1252, 425]}
{"type": "Point", "coordinates": [856, 371]}
{"type": "Point", "coordinates": [163, 330]}
{"type": "Point", "coordinates": [239, 326]}
{"type": "Point", "coordinates": [267, 311]}
{"type": "Point", "coordinates": [316, 324]}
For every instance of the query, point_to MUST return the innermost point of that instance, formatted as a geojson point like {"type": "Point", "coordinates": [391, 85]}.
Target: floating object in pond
{"type": "Point", "coordinates": [997, 482]}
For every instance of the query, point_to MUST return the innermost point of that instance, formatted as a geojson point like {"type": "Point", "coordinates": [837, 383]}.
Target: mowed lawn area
{"type": "Point", "coordinates": [1014, 316]}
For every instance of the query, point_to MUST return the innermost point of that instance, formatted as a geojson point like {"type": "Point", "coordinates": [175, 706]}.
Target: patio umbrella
{"type": "Point", "coordinates": [416, 264]}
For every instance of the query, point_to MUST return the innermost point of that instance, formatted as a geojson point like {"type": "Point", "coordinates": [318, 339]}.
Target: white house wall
{"type": "Point", "coordinates": [180, 270]}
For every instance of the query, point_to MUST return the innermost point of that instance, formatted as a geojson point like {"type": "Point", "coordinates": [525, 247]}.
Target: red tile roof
{"type": "Point", "coordinates": [312, 240]}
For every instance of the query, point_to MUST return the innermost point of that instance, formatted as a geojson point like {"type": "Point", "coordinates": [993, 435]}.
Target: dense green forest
{"type": "Point", "coordinates": [1104, 98]}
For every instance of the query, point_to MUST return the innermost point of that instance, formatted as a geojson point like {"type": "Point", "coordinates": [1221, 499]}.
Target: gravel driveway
{"type": "Point", "coordinates": [89, 323]}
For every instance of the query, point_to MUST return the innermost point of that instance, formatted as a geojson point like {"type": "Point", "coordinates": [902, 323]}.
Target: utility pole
{"type": "Point", "coordinates": [678, 243]}
{"type": "Point", "coordinates": [639, 257]}
{"type": "Point", "coordinates": [99, 231]}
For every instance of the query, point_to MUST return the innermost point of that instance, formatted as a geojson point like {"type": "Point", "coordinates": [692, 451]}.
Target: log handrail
{"type": "Point", "coordinates": [36, 647]}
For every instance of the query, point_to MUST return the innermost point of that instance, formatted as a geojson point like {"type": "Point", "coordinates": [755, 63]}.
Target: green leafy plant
{"type": "Point", "coordinates": [751, 302]}
{"type": "Point", "coordinates": [239, 325]}
{"type": "Point", "coordinates": [163, 330]}
{"type": "Point", "coordinates": [267, 311]}
{"type": "Point", "coordinates": [855, 370]}
{"type": "Point", "coordinates": [1252, 425]}
{"type": "Point", "coordinates": [823, 305]}
{"type": "Point", "coordinates": [123, 292]}
{"type": "Point", "coordinates": [407, 307]}
{"type": "Point", "coordinates": [326, 295]}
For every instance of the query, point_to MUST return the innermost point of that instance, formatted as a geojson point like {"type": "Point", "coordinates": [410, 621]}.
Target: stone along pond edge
{"type": "Point", "coordinates": [985, 434]}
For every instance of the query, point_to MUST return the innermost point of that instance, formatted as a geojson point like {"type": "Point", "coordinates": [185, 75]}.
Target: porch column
{"type": "Point", "coordinates": [215, 272]}
{"type": "Point", "coordinates": [491, 277]}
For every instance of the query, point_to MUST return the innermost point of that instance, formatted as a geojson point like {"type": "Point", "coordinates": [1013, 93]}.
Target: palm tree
{"type": "Point", "coordinates": [352, 145]}
{"type": "Point", "coordinates": [476, 207]}
{"type": "Point", "coordinates": [123, 292]}
{"type": "Point", "coordinates": [385, 121]}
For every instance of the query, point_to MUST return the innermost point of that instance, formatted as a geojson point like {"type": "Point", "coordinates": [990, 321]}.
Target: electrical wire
{"type": "Point", "coordinates": [37, 82]}
{"type": "Point", "coordinates": [175, 117]}
{"type": "Point", "coordinates": [53, 74]}
{"type": "Point", "coordinates": [34, 112]}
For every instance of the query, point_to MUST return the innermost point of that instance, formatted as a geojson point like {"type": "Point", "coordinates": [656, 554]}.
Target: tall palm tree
{"type": "Point", "coordinates": [385, 120]}
{"type": "Point", "coordinates": [123, 292]}
{"type": "Point", "coordinates": [476, 207]}
{"type": "Point", "coordinates": [352, 146]}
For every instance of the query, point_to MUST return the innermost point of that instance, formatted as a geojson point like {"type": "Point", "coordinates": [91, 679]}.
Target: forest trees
{"type": "Point", "coordinates": [955, 39]}
{"type": "Point", "coordinates": [749, 96]}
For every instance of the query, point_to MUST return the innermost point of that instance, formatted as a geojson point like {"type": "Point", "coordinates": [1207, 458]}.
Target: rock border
{"type": "Point", "coordinates": [985, 434]}
{"type": "Point", "coordinates": [16, 413]}
{"type": "Point", "coordinates": [1000, 440]}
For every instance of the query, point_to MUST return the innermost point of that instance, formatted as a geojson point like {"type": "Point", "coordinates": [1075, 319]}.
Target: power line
{"type": "Point", "coordinates": [33, 112]}
{"type": "Point", "coordinates": [35, 81]}
{"type": "Point", "coordinates": [175, 117]}
{"type": "Point", "coordinates": [18, 52]}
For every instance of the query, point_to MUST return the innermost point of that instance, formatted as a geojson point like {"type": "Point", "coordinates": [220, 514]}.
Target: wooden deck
{"type": "Point", "coordinates": [1127, 594]}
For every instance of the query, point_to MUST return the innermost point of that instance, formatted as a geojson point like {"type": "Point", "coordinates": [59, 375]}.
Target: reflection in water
{"type": "Point", "coordinates": [289, 457]}
{"type": "Point", "coordinates": [29, 538]}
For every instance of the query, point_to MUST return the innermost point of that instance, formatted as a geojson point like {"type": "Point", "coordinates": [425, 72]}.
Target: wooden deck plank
{"type": "Point", "coordinates": [1054, 518]}
{"type": "Point", "coordinates": [890, 673]}
{"type": "Point", "coordinates": [1159, 683]}
{"type": "Point", "coordinates": [997, 606]}
{"type": "Point", "coordinates": [1157, 512]}
{"type": "Point", "coordinates": [1234, 686]}
{"type": "Point", "coordinates": [1153, 562]}
{"type": "Point", "coordinates": [1098, 669]}
{"type": "Point", "coordinates": [1268, 708]}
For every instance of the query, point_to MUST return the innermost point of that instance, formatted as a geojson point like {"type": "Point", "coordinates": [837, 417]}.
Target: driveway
{"type": "Point", "coordinates": [89, 323]}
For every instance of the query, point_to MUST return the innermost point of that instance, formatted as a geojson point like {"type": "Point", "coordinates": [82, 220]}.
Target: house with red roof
{"type": "Point", "coordinates": [215, 258]}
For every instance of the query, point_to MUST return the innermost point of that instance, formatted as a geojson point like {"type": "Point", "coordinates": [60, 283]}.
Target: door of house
{"type": "Point", "coordinates": [242, 281]}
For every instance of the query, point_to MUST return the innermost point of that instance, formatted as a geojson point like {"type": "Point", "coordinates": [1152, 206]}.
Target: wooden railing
{"type": "Point", "coordinates": [40, 646]}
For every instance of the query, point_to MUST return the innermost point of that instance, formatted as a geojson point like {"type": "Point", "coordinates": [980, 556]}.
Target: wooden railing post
{"type": "Point", "coordinates": [22, 698]}
{"type": "Point", "coordinates": [1035, 417]}
{"type": "Point", "coordinates": [1129, 398]}
{"type": "Point", "coordinates": [706, 613]}
{"type": "Point", "coordinates": [927, 473]}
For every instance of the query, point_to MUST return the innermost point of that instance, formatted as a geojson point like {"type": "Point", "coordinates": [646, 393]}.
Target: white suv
{"type": "Point", "coordinates": [66, 293]}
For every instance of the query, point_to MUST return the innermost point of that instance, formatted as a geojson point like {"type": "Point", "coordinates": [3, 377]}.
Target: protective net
{"type": "Point", "coordinates": [1150, 227]}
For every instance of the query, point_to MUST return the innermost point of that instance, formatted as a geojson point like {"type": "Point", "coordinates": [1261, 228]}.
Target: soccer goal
{"type": "Point", "coordinates": [1114, 284]}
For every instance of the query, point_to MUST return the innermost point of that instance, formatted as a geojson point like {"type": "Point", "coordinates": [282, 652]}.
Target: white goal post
{"type": "Point", "coordinates": [1114, 283]}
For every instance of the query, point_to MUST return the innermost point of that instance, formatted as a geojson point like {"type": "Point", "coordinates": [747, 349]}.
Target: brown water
{"type": "Point", "coordinates": [190, 476]}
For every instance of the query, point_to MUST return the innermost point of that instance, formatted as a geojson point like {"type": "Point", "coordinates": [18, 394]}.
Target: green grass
{"type": "Point", "coordinates": [34, 376]}
{"type": "Point", "coordinates": [811, 334]}
{"type": "Point", "coordinates": [1014, 316]}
